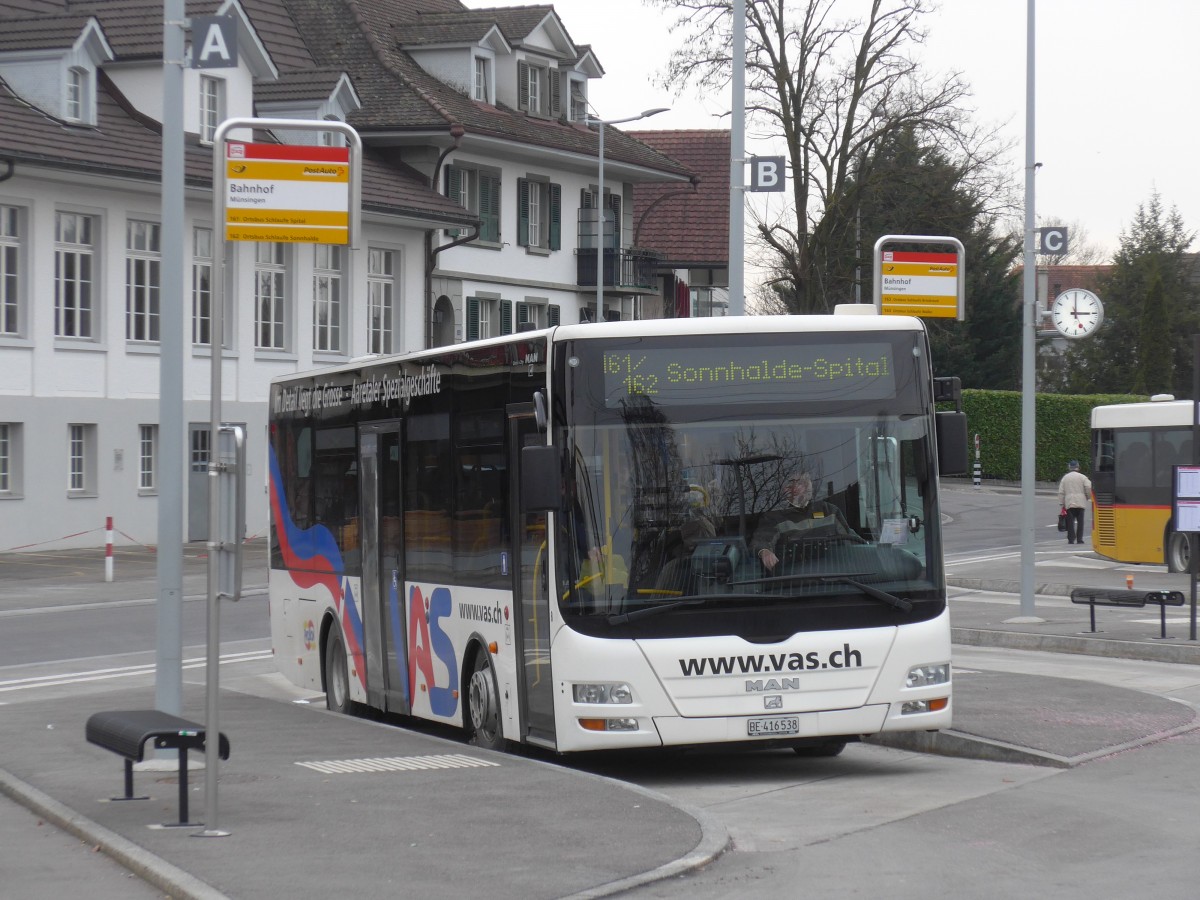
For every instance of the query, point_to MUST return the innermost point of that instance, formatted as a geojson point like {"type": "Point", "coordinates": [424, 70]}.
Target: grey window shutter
{"type": "Point", "coordinates": [522, 212]}
{"type": "Point", "coordinates": [489, 207]}
{"type": "Point", "coordinates": [614, 205]}
{"type": "Point", "coordinates": [553, 314]}
{"type": "Point", "coordinates": [453, 190]}
{"type": "Point", "coordinates": [555, 194]}
{"type": "Point", "coordinates": [472, 318]}
{"type": "Point", "coordinates": [506, 317]}
{"type": "Point", "coordinates": [555, 92]}
{"type": "Point", "coordinates": [522, 313]}
{"type": "Point", "coordinates": [523, 86]}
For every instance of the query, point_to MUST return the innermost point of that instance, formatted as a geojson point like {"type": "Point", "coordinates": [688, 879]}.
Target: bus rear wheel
{"type": "Point", "coordinates": [337, 678]}
{"type": "Point", "coordinates": [483, 705]}
{"type": "Point", "coordinates": [1179, 552]}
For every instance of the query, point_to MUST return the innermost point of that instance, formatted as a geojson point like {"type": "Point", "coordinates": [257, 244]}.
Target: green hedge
{"type": "Point", "coordinates": [1063, 427]}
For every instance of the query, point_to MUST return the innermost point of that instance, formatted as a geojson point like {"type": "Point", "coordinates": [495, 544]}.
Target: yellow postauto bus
{"type": "Point", "coordinates": [1134, 447]}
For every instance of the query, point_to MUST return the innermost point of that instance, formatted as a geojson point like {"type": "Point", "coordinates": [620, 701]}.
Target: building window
{"type": "Point", "coordinates": [199, 450]}
{"type": "Point", "coordinates": [537, 89]}
{"type": "Point", "coordinates": [327, 298]}
{"type": "Point", "coordinates": [488, 317]}
{"type": "Point", "coordinates": [212, 107]}
{"type": "Point", "coordinates": [539, 214]}
{"type": "Point", "coordinates": [381, 287]}
{"type": "Point", "coordinates": [10, 459]}
{"type": "Point", "coordinates": [588, 226]}
{"type": "Point", "coordinates": [143, 280]}
{"type": "Point", "coordinates": [10, 271]}
{"type": "Point", "coordinates": [578, 109]}
{"type": "Point", "coordinates": [81, 459]}
{"type": "Point", "coordinates": [78, 90]}
{"type": "Point", "coordinates": [328, 138]}
{"type": "Point", "coordinates": [270, 301]}
{"type": "Point", "coordinates": [482, 89]}
{"type": "Point", "coordinates": [534, 314]}
{"type": "Point", "coordinates": [477, 190]}
{"type": "Point", "coordinates": [147, 455]}
{"type": "Point", "coordinates": [74, 260]}
{"type": "Point", "coordinates": [202, 265]}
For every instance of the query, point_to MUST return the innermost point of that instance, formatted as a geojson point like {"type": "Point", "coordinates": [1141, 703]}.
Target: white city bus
{"type": "Point", "coordinates": [546, 538]}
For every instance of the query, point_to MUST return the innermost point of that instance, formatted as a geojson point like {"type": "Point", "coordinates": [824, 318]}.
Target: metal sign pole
{"type": "Point", "coordinates": [226, 468]}
{"type": "Point", "coordinates": [1194, 539]}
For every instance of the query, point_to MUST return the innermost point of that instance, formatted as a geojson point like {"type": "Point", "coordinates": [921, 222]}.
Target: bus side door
{"type": "Point", "coordinates": [382, 569]}
{"type": "Point", "coordinates": [531, 591]}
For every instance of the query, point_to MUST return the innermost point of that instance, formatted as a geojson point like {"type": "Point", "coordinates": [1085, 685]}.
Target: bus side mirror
{"type": "Point", "coordinates": [951, 428]}
{"type": "Point", "coordinates": [541, 488]}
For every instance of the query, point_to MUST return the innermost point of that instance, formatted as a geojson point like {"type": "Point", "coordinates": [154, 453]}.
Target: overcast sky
{"type": "Point", "coordinates": [1116, 83]}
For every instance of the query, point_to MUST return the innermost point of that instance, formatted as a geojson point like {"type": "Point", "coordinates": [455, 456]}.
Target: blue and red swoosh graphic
{"type": "Point", "coordinates": [312, 557]}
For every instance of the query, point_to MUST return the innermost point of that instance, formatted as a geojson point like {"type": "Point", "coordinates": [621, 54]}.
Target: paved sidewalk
{"type": "Point", "coordinates": [436, 817]}
{"type": "Point", "coordinates": [321, 805]}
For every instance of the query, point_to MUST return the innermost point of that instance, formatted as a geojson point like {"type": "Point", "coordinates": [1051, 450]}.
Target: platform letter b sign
{"type": "Point", "coordinates": [767, 173]}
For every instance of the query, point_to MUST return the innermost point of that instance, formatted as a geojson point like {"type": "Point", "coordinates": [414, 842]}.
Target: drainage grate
{"type": "Point", "coordinates": [396, 764]}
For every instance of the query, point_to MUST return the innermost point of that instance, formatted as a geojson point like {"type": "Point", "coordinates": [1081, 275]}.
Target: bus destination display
{"type": "Point", "coordinates": [683, 375]}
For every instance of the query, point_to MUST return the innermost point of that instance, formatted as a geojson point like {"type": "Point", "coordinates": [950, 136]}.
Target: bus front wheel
{"type": "Point", "coordinates": [483, 704]}
{"type": "Point", "coordinates": [1179, 552]}
{"type": "Point", "coordinates": [337, 679]}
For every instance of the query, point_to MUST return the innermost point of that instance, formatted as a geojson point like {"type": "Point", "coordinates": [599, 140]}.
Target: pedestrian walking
{"type": "Point", "coordinates": [1074, 495]}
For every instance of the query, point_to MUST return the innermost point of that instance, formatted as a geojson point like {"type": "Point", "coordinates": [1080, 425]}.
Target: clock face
{"type": "Point", "coordinates": [1077, 313]}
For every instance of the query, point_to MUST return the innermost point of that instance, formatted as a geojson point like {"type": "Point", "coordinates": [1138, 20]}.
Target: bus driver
{"type": "Point", "coordinates": [800, 515]}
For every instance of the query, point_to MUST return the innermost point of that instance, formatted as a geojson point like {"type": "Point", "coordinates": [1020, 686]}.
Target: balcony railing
{"type": "Point", "coordinates": [629, 268]}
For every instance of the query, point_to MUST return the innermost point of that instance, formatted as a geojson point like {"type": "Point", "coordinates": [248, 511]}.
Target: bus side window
{"type": "Point", "coordinates": [335, 481]}
{"type": "Point", "coordinates": [1104, 454]}
{"type": "Point", "coordinates": [1133, 459]}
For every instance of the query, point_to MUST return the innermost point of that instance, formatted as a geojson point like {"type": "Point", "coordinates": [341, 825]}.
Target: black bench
{"type": "Point", "coordinates": [125, 733]}
{"type": "Point", "coordinates": [1094, 597]}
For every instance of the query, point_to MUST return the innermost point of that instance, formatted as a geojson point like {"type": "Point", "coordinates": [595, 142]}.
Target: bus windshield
{"type": "Point", "coordinates": [758, 490]}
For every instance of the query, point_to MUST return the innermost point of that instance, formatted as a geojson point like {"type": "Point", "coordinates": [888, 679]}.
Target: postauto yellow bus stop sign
{"type": "Point", "coordinates": [927, 283]}
{"type": "Point", "coordinates": [287, 193]}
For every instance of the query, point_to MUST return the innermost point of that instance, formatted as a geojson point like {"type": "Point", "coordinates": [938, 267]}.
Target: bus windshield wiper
{"type": "Point", "coordinates": [676, 603]}
{"type": "Point", "coordinates": [850, 578]}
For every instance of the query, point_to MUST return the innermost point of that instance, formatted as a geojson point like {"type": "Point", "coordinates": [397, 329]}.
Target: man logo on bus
{"type": "Point", "coordinates": [426, 639]}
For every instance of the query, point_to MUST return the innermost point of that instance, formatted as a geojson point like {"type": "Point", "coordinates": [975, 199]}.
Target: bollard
{"type": "Point", "coordinates": [108, 557]}
{"type": "Point", "coordinates": [978, 479]}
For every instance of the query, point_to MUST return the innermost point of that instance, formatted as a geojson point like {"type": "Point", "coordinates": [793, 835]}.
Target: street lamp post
{"type": "Point", "coordinates": [600, 123]}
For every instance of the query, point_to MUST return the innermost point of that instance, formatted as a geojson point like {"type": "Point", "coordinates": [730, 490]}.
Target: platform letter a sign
{"type": "Point", "coordinates": [214, 42]}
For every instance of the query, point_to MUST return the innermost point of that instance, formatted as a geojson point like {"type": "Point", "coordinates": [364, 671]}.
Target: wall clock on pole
{"type": "Point", "coordinates": [1077, 313]}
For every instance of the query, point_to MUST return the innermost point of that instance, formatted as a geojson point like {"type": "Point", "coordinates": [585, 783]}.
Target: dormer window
{"type": "Point", "coordinates": [578, 110]}
{"type": "Point", "coordinates": [538, 92]}
{"type": "Point", "coordinates": [482, 90]}
{"type": "Point", "coordinates": [212, 107]}
{"type": "Point", "coordinates": [532, 84]}
{"type": "Point", "coordinates": [331, 138]}
{"type": "Point", "coordinates": [77, 107]}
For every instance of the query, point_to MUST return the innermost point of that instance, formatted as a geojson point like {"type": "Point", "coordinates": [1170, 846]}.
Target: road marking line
{"type": "Point", "coordinates": [37, 681]}
{"type": "Point", "coordinates": [396, 764]}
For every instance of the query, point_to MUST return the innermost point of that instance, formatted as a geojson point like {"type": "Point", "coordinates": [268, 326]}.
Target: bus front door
{"type": "Point", "coordinates": [382, 575]}
{"type": "Point", "coordinates": [531, 593]}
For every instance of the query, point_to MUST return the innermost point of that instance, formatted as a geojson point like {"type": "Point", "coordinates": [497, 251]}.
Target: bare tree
{"type": "Point", "coordinates": [833, 88]}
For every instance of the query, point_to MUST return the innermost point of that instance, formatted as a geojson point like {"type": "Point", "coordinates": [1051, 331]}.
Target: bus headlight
{"type": "Point", "coordinates": [609, 724]}
{"type": "Point", "coordinates": [923, 676]}
{"type": "Point", "coordinates": [602, 692]}
{"type": "Point", "coordinates": [923, 706]}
